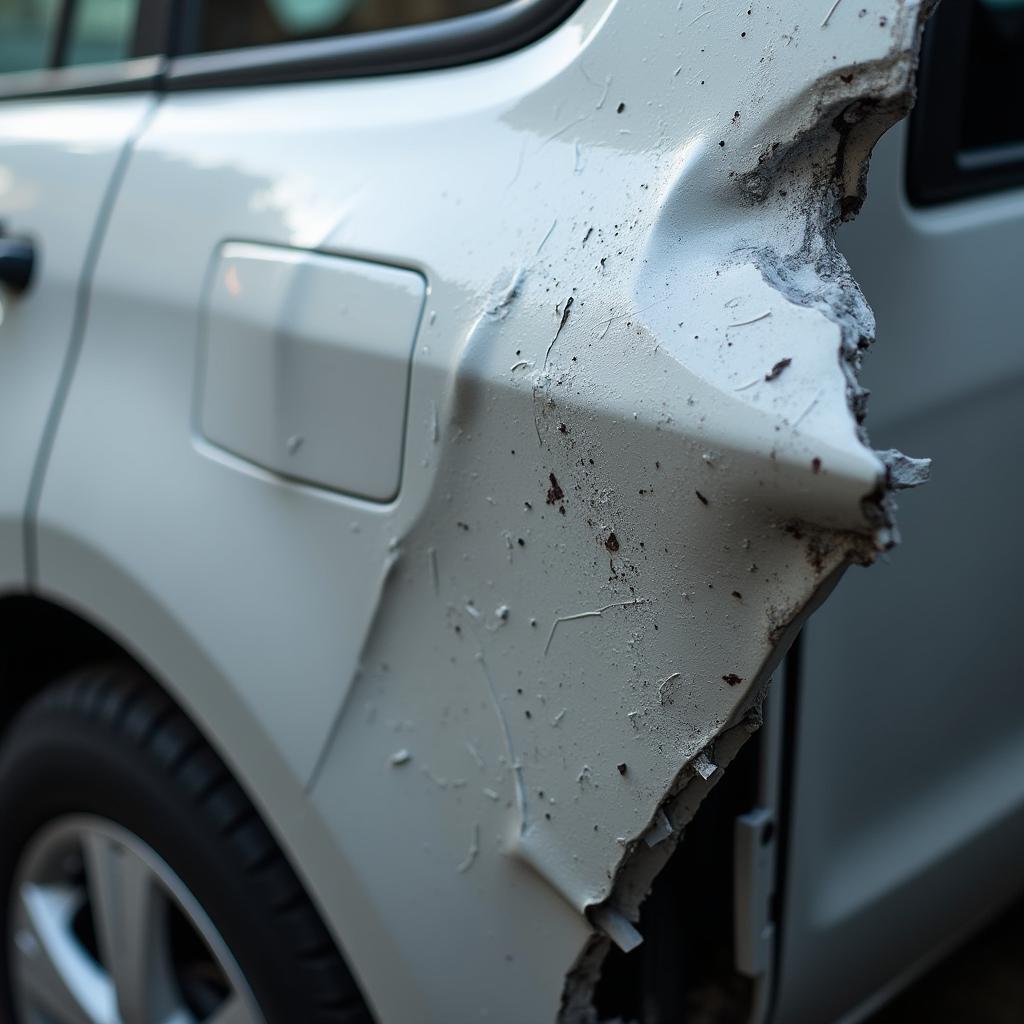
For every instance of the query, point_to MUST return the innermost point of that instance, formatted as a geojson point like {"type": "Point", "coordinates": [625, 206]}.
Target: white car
{"type": "Point", "coordinates": [425, 427]}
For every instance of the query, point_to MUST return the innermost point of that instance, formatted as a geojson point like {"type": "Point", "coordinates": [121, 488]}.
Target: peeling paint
{"type": "Point", "coordinates": [652, 464]}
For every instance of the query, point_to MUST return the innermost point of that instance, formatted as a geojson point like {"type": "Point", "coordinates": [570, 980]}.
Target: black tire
{"type": "Point", "coordinates": [108, 742]}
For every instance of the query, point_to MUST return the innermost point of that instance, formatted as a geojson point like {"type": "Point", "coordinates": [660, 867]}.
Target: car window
{"type": "Point", "coordinates": [27, 32]}
{"type": "Point", "coordinates": [993, 112]}
{"type": "Point", "coordinates": [967, 132]}
{"type": "Point", "coordinates": [100, 30]}
{"type": "Point", "coordinates": [229, 24]}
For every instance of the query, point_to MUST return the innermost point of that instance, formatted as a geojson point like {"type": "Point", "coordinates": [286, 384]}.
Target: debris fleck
{"type": "Point", "coordinates": [434, 575]}
{"type": "Point", "coordinates": [617, 927]}
{"type": "Point", "coordinates": [704, 766]}
{"type": "Point", "coordinates": [565, 317]}
{"type": "Point", "coordinates": [622, 768]}
{"type": "Point", "coordinates": [475, 754]}
{"type": "Point", "coordinates": [663, 683]}
{"type": "Point", "coordinates": [732, 679]}
{"type": "Point", "coordinates": [776, 370]}
{"type": "Point", "coordinates": [831, 11]}
{"type": "Point", "coordinates": [555, 492]}
{"type": "Point", "coordinates": [559, 716]}
{"type": "Point", "coordinates": [660, 829]}
{"type": "Point", "coordinates": [400, 757]}
{"type": "Point", "coordinates": [471, 854]}
{"type": "Point", "coordinates": [753, 320]}
{"type": "Point", "coordinates": [612, 542]}
{"type": "Point", "coordinates": [701, 498]}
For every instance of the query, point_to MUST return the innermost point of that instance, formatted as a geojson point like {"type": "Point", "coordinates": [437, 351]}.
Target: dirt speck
{"type": "Point", "coordinates": [555, 492]}
{"type": "Point", "coordinates": [775, 372]}
{"type": "Point", "coordinates": [732, 679]}
{"type": "Point", "coordinates": [612, 542]}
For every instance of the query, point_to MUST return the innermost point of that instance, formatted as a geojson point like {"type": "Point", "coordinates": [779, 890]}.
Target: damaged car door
{"type": "Point", "coordinates": [495, 426]}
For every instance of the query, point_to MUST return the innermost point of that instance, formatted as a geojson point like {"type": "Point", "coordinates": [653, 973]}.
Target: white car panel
{"type": "Point", "coordinates": [57, 163]}
{"type": "Point", "coordinates": [632, 464]}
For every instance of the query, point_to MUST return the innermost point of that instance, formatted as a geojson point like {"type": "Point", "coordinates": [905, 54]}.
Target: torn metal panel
{"type": "Point", "coordinates": [651, 459]}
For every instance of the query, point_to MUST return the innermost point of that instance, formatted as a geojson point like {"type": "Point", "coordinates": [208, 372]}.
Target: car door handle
{"type": "Point", "coordinates": [17, 258]}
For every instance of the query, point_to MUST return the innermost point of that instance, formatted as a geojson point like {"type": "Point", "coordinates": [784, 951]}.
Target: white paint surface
{"type": "Point", "coordinates": [635, 314]}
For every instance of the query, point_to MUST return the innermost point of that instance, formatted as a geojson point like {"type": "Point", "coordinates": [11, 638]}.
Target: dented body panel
{"type": "Point", "coordinates": [479, 715]}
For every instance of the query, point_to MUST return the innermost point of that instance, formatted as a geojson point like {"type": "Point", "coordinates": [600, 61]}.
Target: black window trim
{"type": "Point", "coordinates": [439, 44]}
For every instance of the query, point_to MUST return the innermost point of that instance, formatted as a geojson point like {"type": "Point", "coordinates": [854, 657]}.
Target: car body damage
{"type": "Point", "coordinates": [634, 460]}
{"type": "Point", "coordinates": [641, 494]}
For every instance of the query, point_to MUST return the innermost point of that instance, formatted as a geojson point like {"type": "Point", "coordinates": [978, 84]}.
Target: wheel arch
{"type": "Point", "coordinates": [46, 635]}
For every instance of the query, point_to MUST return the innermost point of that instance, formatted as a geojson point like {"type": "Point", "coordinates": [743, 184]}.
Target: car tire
{"type": "Point", "coordinates": [106, 754]}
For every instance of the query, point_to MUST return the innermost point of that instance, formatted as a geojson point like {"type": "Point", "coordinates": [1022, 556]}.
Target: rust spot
{"type": "Point", "coordinates": [555, 492]}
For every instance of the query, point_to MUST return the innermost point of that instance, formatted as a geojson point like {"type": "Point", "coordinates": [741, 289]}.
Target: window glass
{"type": "Point", "coordinates": [228, 24]}
{"type": "Point", "coordinates": [967, 130]}
{"type": "Point", "coordinates": [27, 30]}
{"type": "Point", "coordinates": [101, 30]}
{"type": "Point", "coordinates": [993, 112]}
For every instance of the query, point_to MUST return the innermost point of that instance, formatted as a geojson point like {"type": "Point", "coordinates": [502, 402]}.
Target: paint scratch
{"type": "Point", "coordinates": [594, 614]}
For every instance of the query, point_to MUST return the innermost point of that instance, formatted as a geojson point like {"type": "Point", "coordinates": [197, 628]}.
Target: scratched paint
{"type": "Point", "coordinates": [637, 462]}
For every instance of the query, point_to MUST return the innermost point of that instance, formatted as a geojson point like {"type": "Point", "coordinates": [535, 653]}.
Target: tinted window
{"type": "Point", "coordinates": [27, 32]}
{"type": "Point", "coordinates": [993, 112]}
{"type": "Point", "coordinates": [101, 30]}
{"type": "Point", "coordinates": [967, 132]}
{"type": "Point", "coordinates": [229, 24]}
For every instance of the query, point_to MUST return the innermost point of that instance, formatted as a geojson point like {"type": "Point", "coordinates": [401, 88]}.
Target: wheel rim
{"type": "Point", "coordinates": [102, 931]}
